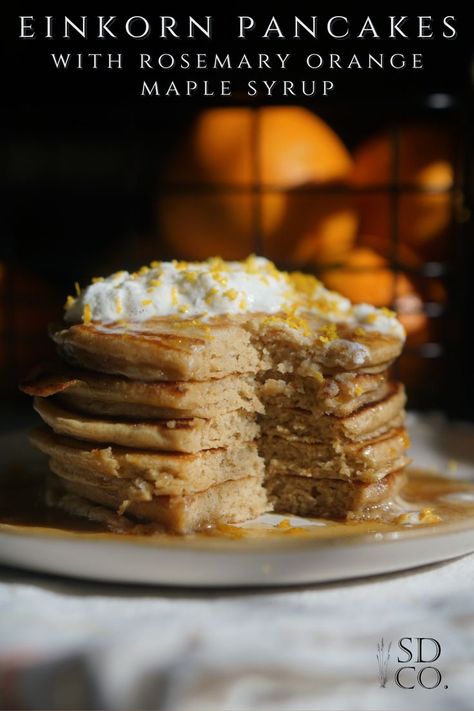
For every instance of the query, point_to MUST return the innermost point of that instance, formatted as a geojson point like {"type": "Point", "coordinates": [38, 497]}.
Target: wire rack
{"type": "Point", "coordinates": [443, 284]}
{"type": "Point", "coordinates": [31, 294]}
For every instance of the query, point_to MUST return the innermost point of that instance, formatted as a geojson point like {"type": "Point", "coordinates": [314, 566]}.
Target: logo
{"type": "Point", "coordinates": [415, 663]}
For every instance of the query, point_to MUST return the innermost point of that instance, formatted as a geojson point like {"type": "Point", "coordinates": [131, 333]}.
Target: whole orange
{"type": "Point", "coordinates": [243, 172]}
{"type": "Point", "coordinates": [366, 277]}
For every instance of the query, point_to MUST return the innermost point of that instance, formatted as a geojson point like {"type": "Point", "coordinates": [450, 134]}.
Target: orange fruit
{"type": "Point", "coordinates": [426, 158]}
{"type": "Point", "coordinates": [241, 172]}
{"type": "Point", "coordinates": [316, 229]}
{"type": "Point", "coordinates": [365, 276]}
{"type": "Point", "coordinates": [404, 254]}
{"type": "Point", "coordinates": [196, 226]}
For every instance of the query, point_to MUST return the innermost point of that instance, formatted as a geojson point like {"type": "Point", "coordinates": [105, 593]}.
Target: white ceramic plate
{"type": "Point", "coordinates": [222, 562]}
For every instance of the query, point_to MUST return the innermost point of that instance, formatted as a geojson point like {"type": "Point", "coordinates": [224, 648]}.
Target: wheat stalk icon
{"type": "Point", "coordinates": [383, 657]}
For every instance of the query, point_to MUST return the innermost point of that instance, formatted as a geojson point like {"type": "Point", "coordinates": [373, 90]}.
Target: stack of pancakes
{"type": "Point", "coordinates": [181, 422]}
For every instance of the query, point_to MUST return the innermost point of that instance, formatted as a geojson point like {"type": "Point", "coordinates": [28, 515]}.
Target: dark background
{"type": "Point", "coordinates": [83, 155]}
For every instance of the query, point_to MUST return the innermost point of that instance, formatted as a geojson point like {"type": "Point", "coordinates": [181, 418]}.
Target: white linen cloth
{"type": "Point", "coordinates": [70, 645]}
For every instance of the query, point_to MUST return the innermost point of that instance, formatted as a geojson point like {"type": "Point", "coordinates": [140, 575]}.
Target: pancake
{"type": "Point", "coordinates": [369, 421]}
{"type": "Point", "coordinates": [102, 394]}
{"type": "Point", "coordinates": [160, 349]}
{"type": "Point", "coordinates": [367, 461]}
{"type": "Point", "coordinates": [339, 395]}
{"type": "Point", "coordinates": [331, 498]}
{"type": "Point", "coordinates": [179, 435]}
{"type": "Point", "coordinates": [229, 502]}
{"type": "Point", "coordinates": [171, 349]}
{"type": "Point", "coordinates": [322, 345]}
{"type": "Point", "coordinates": [129, 490]}
{"type": "Point", "coordinates": [169, 473]}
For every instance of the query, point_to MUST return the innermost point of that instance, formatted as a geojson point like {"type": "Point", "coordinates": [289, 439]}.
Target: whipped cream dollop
{"type": "Point", "coordinates": [216, 287]}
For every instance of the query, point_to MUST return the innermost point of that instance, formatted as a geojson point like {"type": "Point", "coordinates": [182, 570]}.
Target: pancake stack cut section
{"type": "Point", "coordinates": [181, 454]}
{"type": "Point", "coordinates": [192, 422]}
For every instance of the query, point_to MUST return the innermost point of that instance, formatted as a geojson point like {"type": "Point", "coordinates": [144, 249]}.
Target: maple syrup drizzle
{"type": "Point", "coordinates": [450, 500]}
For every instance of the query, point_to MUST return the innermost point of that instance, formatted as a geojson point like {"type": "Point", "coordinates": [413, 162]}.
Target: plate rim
{"type": "Point", "coordinates": [242, 544]}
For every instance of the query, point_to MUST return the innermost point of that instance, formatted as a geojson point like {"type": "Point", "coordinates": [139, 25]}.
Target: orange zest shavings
{"type": "Point", "coordinates": [327, 333]}
{"type": "Point", "coordinates": [429, 516]}
{"type": "Point", "coordinates": [86, 315]}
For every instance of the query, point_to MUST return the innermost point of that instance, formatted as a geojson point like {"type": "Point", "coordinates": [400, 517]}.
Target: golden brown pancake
{"type": "Point", "coordinates": [332, 498]}
{"type": "Point", "coordinates": [338, 395]}
{"type": "Point", "coordinates": [167, 349]}
{"type": "Point", "coordinates": [102, 394]}
{"type": "Point", "coordinates": [178, 435]}
{"type": "Point", "coordinates": [367, 422]}
{"type": "Point", "coordinates": [164, 349]}
{"type": "Point", "coordinates": [169, 472]}
{"type": "Point", "coordinates": [229, 502]}
{"type": "Point", "coordinates": [336, 459]}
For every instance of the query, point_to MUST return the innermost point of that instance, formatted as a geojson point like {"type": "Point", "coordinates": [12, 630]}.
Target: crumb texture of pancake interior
{"type": "Point", "coordinates": [188, 395]}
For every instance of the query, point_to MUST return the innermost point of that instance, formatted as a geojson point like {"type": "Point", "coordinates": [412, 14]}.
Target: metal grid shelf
{"type": "Point", "coordinates": [111, 219]}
